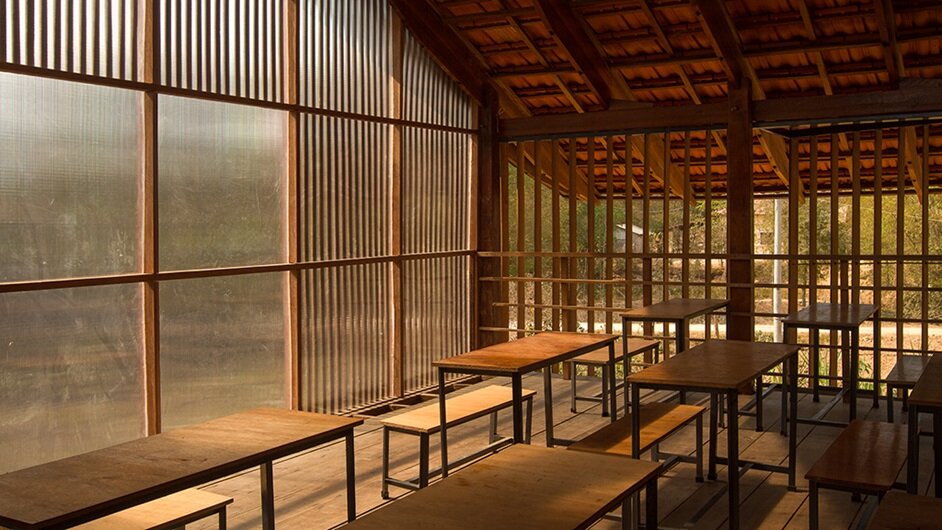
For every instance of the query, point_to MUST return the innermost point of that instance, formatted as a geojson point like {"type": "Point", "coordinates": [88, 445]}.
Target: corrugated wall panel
{"type": "Point", "coordinates": [429, 95]}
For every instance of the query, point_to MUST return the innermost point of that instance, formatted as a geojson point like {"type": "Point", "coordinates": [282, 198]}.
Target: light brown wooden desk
{"type": "Point", "coordinates": [898, 511]}
{"type": "Point", "coordinates": [74, 490]}
{"type": "Point", "coordinates": [720, 367]}
{"type": "Point", "coordinates": [846, 318]}
{"type": "Point", "coordinates": [524, 487]}
{"type": "Point", "coordinates": [678, 311]}
{"type": "Point", "coordinates": [926, 397]}
{"type": "Point", "coordinates": [515, 358]}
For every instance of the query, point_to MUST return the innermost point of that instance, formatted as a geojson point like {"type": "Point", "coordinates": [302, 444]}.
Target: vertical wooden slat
{"type": "Point", "coordinates": [629, 223]}
{"type": "Point", "coordinates": [107, 56]}
{"type": "Point", "coordinates": [924, 284]}
{"type": "Point", "coordinates": [590, 235]}
{"type": "Point", "coordinates": [3, 25]}
{"type": "Point", "coordinates": [855, 221]}
{"type": "Point", "coordinates": [708, 227]}
{"type": "Point", "coordinates": [666, 237]}
{"type": "Point", "coordinates": [740, 317]}
{"type": "Point", "coordinates": [537, 238]}
{"type": "Point", "coordinates": [295, 190]}
{"type": "Point", "coordinates": [685, 245]}
{"type": "Point", "coordinates": [30, 57]}
{"type": "Point", "coordinates": [813, 222]}
{"type": "Point", "coordinates": [557, 273]}
{"type": "Point", "coordinates": [609, 230]}
{"type": "Point", "coordinates": [572, 316]}
{"type": "Point", "coordinates": [834, 228]}
{"type": "Point", "coordinates": [794, 191]}
{"type": "Point", "coordinates": [521, 238]}
{"type": "Point", "coordinates": [647, 279]}
{"type": "Point", "coordinates": [396, 327]}
{"type": "Point", "coordinates": [900, 232]}
{"type": "Point", "coordinates": [878, 223]}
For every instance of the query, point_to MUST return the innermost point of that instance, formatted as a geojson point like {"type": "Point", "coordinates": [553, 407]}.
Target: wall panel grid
{"type": "Point", "coordinates": [596, 233]}
{"type": "Point", "coordinates": [273, 194]}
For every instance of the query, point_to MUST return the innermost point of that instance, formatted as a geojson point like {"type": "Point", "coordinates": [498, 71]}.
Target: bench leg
{"type": "Point", "coordinates": [815, 352]}
{"type": "Point", "coordinates": [351, 478]}
{"type": "Point", "coordinates": [650, 504]}
{"type": "Point", "coordinates": [528, 430]}
{"type": "Point", "coordinates": [572, 387]}
{"type": "Point", "coordinates": [785, 389]}
{"type": "Point", "coordinates": [547, 407]}
{"type": "Point", "coordinates": [813, 505]}
{"type": "Point", "coordinates": [605, 390]}
{"type": "Point", "coordinates": [759, 392]}
{"type": "Point", "coordinates": [384, 492]}
{"type": "Point", "coordinates": [889, 404]}
{"type": "Point", "coordinates": [222, 518]}
{"type": "Point", "coordinates": [423, 460]}
{"type": "Point", "coordinates": [699, 451]}
{"type": "Point", "coordinates": [492, 435]}
{"type": "Point", "coordinates": [268, 497]}
{"type": "Point", "coordinates": [905, 400]}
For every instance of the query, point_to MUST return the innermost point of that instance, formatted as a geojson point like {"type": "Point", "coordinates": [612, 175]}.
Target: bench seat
{"type": "Point", "coordinates": [866, 457]}
{"type": "Point", "coordinates": [903, 376]}
{"type": "Point", "coordinates": [425, 421]}
{"type": "Point", "coordinates": [172, 511]}
{"type": "Point", "coordinates": [658, 422]}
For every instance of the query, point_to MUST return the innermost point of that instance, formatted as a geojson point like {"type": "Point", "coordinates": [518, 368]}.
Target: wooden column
{"type": "Point", "coordinates": [488, 224]}
{"type": "Point", "coordinates": [739, 232]}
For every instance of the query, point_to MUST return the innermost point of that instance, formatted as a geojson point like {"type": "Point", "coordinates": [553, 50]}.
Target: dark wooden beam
{"type": "Point", "coordinates": [719, 28]}
{"type": "Point", "coordinates": [566, 25]}
{"type": "Point", "coordinates": [739, 229]}
{"type": "Point", "coordinates": [886, 22]}
{"type": "Point", "coordinates": [445, 46]}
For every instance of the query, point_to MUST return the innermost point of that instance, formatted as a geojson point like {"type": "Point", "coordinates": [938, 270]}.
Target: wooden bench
{"type": "Point", "coordinates": [172, 511]}
{"type": "Point", "coordinates": [599, 359]}
{"type": "Point", "coordinates": [425, 421]}
{"type": "Point", "coordinates": [903, 376]}
{"type": "Point", "coordinates": [658, 422]}
{"type": "Point", "coordinates": [865, 458]}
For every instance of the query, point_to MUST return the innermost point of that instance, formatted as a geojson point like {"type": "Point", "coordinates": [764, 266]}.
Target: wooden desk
{"type": "Point", "coordinates": [678, 312]}
{"type": "Point", "coordinates": [720, 367]}
{"type": "Point", "coordinates": [524, 487]}
{"type": "Point", "coordinates": [926, 397]}
{"type": "Point", "coordinates": [74, 490]}
{"type": "Point", "coordinates": [515, 358]}
{"type": "Point", "coordinates": [846, 318]}
{"type": "Point", "coordinates": [899, 510]}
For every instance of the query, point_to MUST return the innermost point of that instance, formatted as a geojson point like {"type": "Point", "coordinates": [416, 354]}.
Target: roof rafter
{"type": "Point", "coordinates": [725, 40]}
{"type": "Point", "coordinates": [886, 21]}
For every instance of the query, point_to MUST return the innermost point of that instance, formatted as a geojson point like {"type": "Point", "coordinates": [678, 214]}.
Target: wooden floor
{"type": "Point", "coordinates": [310, 493]}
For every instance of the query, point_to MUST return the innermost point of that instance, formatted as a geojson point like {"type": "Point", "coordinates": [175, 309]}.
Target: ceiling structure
{"type": "Point", "coordinates": [568, 57]}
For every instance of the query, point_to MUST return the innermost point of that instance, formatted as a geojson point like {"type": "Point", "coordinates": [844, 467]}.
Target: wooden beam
{"type": "Point", "coordinates": [914, 165]}
{"type": "Point", "coordinates": [719, 29]}
{"type": "Point", "coordinates": [444, 45]}
{"type": "Point", "coordinates": [774, 146]}
{"type": "Point", "coordinates": [886, 22]}
{"type": "Point", "coordinates": [572, 36]}
{"type": "Point", "coordinates": [740, 226]}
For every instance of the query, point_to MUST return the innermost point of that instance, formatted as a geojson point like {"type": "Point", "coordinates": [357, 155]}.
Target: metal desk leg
{"type": "Point", "coordinates": [612, 402]}
{"type": "Point", "coordinates": [792, 418]}
{"type": "Point", "coordinates": [650, 504]}
{"type": "Point", "coordinates": [815, 364]}
{"type": "Point", "coordinates": [222, 518]}
{"type": "Point", "coordinates": [732, 432]}
{"type": "Point", "coordinates": [268, 497]}
{"type": "Point", "coordinates": [635, 421]}
{"type": "Point", "coordinates": [442, 422]}
{"type": "Point", "coordinates": [785, 391]}
{"type": "Point", "coordinates": [759, 391]}
{"type": "Point", "coordinates": [711, 460]}
{"type": "Point", "coordinates": [937, 449]}
{"type": "Point", "coordinates": [680, 329]}
{"type": "Point", "coordinates": [877, 373]}
{"type": "Point", "coordinates": [912, 457]}
{"type": "Point", "coordinates": [548, 405]}
{"type": "Point", "coordinates": [423, 460]}
{"type": "Point", "coordinates": [351, 479]}
{"type": "Point", "coordinates": [572, 386]}
{"type": "Point", "coordinates": [854, 371]}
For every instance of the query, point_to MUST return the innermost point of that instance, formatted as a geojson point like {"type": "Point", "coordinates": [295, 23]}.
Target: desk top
{"type": "Point", "coordinates": [676, 309]}
{"type": "Point", "coordinates": [928, 389]}
{"type": "Point", "coordinates": [901, 510]}
{"type": "Point", "coordinates": [715, 364]}
{"type": "Point", "coordinates": [521, 487]}
{"type": "Point", "coordinates": [529, 353]}
{"type": "Point", "coordinates": [91, 485]}
{"type": "Point", "coordinates": [832, 315]}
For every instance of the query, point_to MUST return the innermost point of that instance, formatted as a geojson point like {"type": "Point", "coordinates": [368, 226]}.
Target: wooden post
{"type": "Point", "coordinates": [488, 224]}
{"type": "Point", "coordinates": [739, 232]}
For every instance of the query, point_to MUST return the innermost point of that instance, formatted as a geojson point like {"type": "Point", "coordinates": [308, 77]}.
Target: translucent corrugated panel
{"type": "Point", "coordinates": [345, 55]}
{"type": "Point", "coordinates": [222, 346]}
{"type": "Point", "coordinates": [436, 179]}
{"type": "Point", "coordinates": [69, 184]}
{"type": "Point", "coordinates": [70, 372]}
{"type": "Point", "coordinates": [222, 184]}
{"type": "Point", "coordinates": [345, 188]}
{"type": "Point", "coordinates": [429, 95]}
{"type": "Point", "coordinates": [229, 47]}
{"type": "Point", "coordinates": [345, 358]}
{"type": "Point", "coordinates": [95, 37]}
{"type": "Point", "coordinates": [436, 316]}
